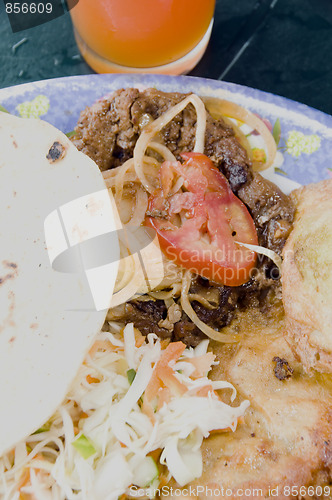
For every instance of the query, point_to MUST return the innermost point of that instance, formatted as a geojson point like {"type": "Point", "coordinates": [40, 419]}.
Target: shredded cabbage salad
{"type": "Point", "coordinates": [136, 414]}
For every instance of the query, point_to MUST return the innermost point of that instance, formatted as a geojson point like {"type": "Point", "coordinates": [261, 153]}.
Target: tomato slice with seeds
{"type": "Point", "coordinates": [199, 224]}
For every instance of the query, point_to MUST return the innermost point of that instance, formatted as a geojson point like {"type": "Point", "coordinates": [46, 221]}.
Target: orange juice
{"type": "Point", "coordinates": [140, 33]}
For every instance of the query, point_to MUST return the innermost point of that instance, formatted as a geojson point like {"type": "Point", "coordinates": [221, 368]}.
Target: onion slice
{"type": "Point", "coordinates": [276, 259]}
{"type": "Point", "coordinates": [153, 128]}
{"type": "Point", "coordinates": [187, 307]}
{"type": "Point", "coordinates": [232, 110]}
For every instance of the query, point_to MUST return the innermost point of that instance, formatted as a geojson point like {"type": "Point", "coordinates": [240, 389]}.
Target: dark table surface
{"type": "Point", "coordinates": [280, 46]}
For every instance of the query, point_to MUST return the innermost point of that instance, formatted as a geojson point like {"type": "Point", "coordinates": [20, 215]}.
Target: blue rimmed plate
{"type": "Point", "coordinates": [306, 133]}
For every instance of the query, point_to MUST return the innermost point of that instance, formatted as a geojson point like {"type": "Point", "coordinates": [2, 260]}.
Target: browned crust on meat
{"type": "Point", "coordinates": [271, 209]}
{"type": "Point", "coordinates": [99, 133]}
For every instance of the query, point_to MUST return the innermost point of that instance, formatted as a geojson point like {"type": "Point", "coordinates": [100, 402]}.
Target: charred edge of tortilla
{"type": "Point", "coordinates": [11, 275]}
{"type": "Point", "coordinates": [56, 152]}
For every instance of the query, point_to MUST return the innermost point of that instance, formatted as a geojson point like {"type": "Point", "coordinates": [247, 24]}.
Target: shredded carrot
{"type": "Point", "coordinates": [167, 377]}
{"type": "Point", "coordinates": [202, 364]}
{"type": "Point", "coordinates": [24, 479]}
{"type": "Point", "coordinates": [163, 481]}
{"type": "Point", "coordinates": [172, 353]}
{"type": "Point", "coordinates": [38, 456]}
{"type": "Point", "coordinates": [163, 375]}
{"type": "Point", "coordinates": [152, 388]}
{"type": "Point", "coordinates": [147, 409]}
{"type": "Point", "coordinates": [239, 420]}
{"type": "Point", "coordinates": [139, 338]}
{"type": "Point", "coordinates": [155, 454]}
{"type": "Point", "coordinates": [25, 496]}
{"type": "Point", "coordinates": [103, 345]}
{"type": "Point", "coordinates": [92, 380]}
{"type": "Point", "coordinates": [164, 343]}
{"type": "Point", "coordinates": [204, 391]}
{"type": "Point", "coordinates": [164, 396]}
{"type": "Point", "coordinates": [164, 383]}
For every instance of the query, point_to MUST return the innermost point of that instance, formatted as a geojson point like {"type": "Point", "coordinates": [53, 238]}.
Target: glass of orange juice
{"type": "Point", "coordinates": [142, 36]}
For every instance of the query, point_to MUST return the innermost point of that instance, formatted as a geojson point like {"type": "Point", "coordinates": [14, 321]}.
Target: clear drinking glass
{"type": "Point", "coordinates": [142, 36]}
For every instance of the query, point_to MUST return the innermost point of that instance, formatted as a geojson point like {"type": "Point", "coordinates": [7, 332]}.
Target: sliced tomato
{"type": "Point", "coordinates": [198, 226]}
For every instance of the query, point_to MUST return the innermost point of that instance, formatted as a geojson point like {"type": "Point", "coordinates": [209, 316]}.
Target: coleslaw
{"type": "Point", "coordinates": [136, 414]}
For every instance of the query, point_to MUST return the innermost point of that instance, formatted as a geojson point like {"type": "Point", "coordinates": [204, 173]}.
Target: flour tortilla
{"type": "Point", "coordinates": [48, 318]}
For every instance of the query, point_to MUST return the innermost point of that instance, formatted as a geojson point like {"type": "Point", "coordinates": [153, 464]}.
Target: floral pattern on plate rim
{"type": "Point", "coordinates": [306, 137]}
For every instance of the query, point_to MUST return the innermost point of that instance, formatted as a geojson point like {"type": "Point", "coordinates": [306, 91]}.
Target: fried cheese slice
{"type": "Point", "coordinates": [285, 439]}
{"type": "Point", "coordinates": [307, 277]}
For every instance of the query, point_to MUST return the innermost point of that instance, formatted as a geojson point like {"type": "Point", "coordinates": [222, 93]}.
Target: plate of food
{"type": "Point", "coordinates": [208, 372]}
